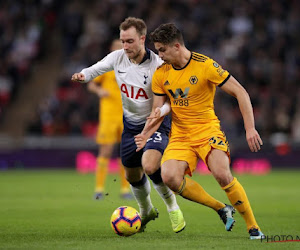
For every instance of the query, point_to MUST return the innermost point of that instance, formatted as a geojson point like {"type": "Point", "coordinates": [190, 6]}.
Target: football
{"type": "Point", "coordinates": [125, 221]}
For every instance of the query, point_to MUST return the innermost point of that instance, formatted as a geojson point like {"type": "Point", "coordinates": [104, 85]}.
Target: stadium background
{"type": "Point", "coordinates": [44, 42]}
{"type": "Point", "coordinates": [47, 122]}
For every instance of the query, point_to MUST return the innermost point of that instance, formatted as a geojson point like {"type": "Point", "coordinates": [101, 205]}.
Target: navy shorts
{"type": "Point", "coordinates": [131, 158]}
{"type": "Point", "coordinates": [158, 141]}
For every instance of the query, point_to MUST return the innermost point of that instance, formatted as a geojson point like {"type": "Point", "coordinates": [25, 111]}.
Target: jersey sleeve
{"type": "Point", "coordinates": [157, 84]}
{"type": "Point", "coordinates": [215, 73]}
{"type": "Point", "coordinates": [101, 67]}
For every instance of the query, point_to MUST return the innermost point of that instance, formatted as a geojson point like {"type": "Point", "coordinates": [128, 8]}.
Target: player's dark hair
{"type": "Point", "coordinates": [166, 34]}
{"type": "Point", "coordinates": [137, 23]}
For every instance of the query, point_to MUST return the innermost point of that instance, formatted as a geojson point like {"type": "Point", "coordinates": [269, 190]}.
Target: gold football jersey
{"type": "Point", "coordinates": [110, 106]}
{"type": "Point", "coordinates": [191, 91]}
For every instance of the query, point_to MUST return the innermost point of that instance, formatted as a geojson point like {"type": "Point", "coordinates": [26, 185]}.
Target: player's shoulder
{"type": "Point", "coordinates": [155, 58]}
{"type": "Point", "coordinates": [161, 66]}
{"type": "Point", "coordinates": [113, 56]}
{"type": "Point", "coordinates": [164, 67]}
{"type": "Point", "coordinates": [200, 57]}
{"type": "Point", "coordinates": [118, 52]}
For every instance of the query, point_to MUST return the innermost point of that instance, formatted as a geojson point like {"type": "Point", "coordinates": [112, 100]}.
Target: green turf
{"type": "Point", "coordinates": [55, 210]}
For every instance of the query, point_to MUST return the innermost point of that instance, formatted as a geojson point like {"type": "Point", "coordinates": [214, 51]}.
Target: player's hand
{"type": "Point", "coordinates": [154, 117]}
{"type": "Point", "coordinates": [78, 77]}
{"type": "Point", "coordinates": [102, 93]}
{"type": "Point", "coordinates": [254, 140]}
{"type": "Point", "coordinates": [140, 141]}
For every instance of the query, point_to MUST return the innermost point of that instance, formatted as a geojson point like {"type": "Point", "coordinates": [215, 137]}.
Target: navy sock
{"type": "Point", "coordinates": [156, 177]}
{"type": "Point", "coordinates": [140, 182]}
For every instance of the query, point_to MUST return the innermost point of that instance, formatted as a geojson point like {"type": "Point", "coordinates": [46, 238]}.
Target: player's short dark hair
{"type": "Point", "coordinates": [166, 33]}
{"type": "Point", "coordinates": [137, 23]}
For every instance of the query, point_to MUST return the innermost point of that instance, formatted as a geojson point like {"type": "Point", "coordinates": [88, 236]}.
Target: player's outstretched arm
{"type": "Point", "coordinates": [160, 109]}
{"type": "Point", "coordinates": [99, 68]}
{"type": "Point", "coordinates": [234, 88]}
{"type": "Point", "coordinates": [95, 88]}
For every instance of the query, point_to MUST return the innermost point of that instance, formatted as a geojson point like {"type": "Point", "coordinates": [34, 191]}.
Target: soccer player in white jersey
{"type": "Point", "coordinates": [134, 66]}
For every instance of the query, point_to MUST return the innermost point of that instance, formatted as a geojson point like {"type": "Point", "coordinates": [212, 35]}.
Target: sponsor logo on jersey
{"type": "Point", "coordinates": [166, 83]}
{"type": "Point", "coordinates": [220, 71]}
{"type": "Point", "coordinates": [216, 65]}
{"type": "Point", "coordinates": [121, 72]}
{"type": "Point", "coordinates": [179, 92]}
{"type": "Point", "coordinates": [133, 92]}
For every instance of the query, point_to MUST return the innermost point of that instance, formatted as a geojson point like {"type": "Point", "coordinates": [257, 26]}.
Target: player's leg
{"type": "Point", "coordinates": [139, 183]}
{"type": "Point", "coordinates": [179, 159]}
{"type": "Point", "coordinates": [151, 164]}
{"type": "Point", "coordinates": [218, 163]}
{"type": "Point", "coordinates": [173, 172]}
{"type": "Point", "coordinates": [141, 188]}
{"type": "Point", "coordinates": [173, 175]}
{"type": "Point", "coordinates": [103, 158]}
{"type": "Point", "coordinates": [125, 187]}
{"type": "Point", "coordinates": [106, 139]}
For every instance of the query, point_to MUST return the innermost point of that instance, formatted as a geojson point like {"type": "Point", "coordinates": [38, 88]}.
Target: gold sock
{"type": "Point", "coordinates": [193, 191]}
{"type": "Point", "coordinates": [124, 182]}
{"type": "Point", "coordinates": [101, 173]}
{"type": "Point", "coordinates": [238, 198]}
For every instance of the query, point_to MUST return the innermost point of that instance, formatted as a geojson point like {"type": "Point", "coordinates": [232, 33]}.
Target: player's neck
{"type": "Point", "coordinates": [140, 57]}
{"type": "Point", "coordinates": [183, 59]}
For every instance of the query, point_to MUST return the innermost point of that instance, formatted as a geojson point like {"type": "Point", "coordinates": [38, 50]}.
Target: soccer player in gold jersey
{"type": "Point", "coordinates": [110, 126]}
{"type": "Point", "coordinates": [189, 81]}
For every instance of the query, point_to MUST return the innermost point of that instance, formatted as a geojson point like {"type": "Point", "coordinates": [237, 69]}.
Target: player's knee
{"type": "Point", "coordinates": [149, 168]}
{"type": "Point", "coordinates": [133, 175]}
{"type": "Point", "coordinates": [105, 151]}
{"type": "Point", "coordinates": [171, 181]}
{"type": "Point", "coordinates": [223, 178]}
{"type": "Point", "coordinates": [105, 155]}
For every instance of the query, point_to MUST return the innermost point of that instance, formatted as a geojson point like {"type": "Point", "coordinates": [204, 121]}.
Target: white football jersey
{"type": "Point", "coordinates": [134, 81]}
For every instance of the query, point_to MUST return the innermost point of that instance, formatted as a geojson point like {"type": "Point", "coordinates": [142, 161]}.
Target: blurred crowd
{"type": "Point", "coordinates": [22, 26]}
{"type": "Point", "coordinates": [257, 41]}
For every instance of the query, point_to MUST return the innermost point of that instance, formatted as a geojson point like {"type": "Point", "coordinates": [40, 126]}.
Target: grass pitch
{"type": "Point", "coordinates": [55, 210]}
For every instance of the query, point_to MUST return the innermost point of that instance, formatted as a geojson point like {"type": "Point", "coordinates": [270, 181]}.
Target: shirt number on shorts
{"type": "Point", "coordinates": [157, 137]}
{"type": "Point", "coordinates": [216, 140]}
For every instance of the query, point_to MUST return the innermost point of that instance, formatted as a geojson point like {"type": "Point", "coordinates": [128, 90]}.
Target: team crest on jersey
{"type": "Point", "coordinates": [193, 80]}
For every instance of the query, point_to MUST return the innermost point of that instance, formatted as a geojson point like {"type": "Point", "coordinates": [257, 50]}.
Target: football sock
{"type": "Point", "coordinates": [193, 191]}
{"type": "Point", "coordinates": [156, 176]}
{"type": "Point", "coordinates": [124, 182]}
{"type": "Point", "coordinates": [167, 195]}
{"type": "Point", "coordinates": [101, 173]}
{"type": "Point", "coordinates": [141, 191]}
{"type": "Point", "coordinates": [238, 198]}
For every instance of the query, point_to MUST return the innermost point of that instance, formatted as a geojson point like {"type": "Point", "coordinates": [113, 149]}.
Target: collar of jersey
{"type": "Point", "coordinates": [146, 56]}
{"type": "Point", "coordinates": [184, 65]}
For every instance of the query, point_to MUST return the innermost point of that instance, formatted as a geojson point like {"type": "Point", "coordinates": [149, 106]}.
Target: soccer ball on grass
{"type": "Point", "coordinates": [125, 221]}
